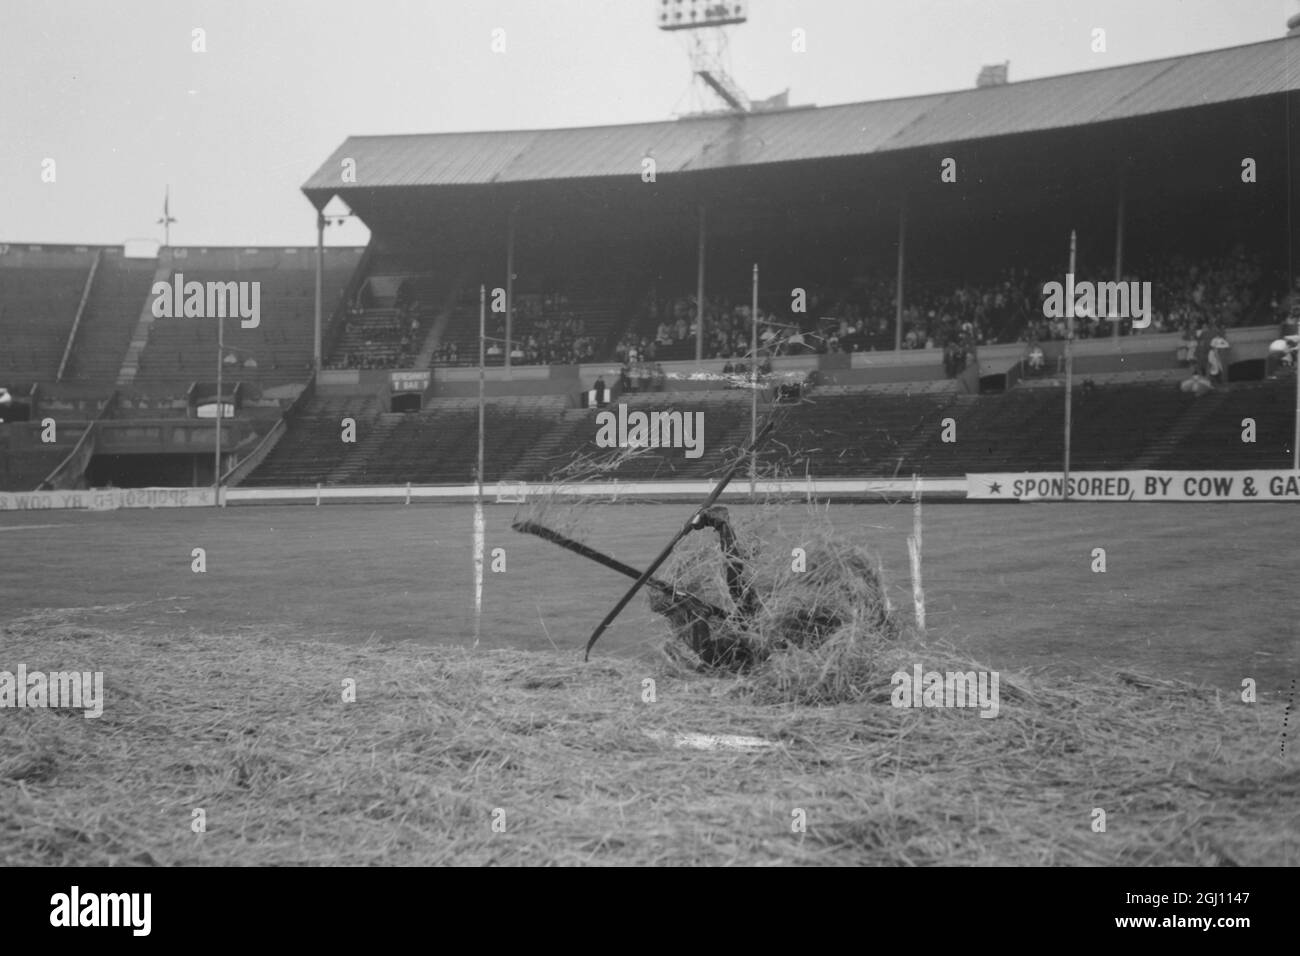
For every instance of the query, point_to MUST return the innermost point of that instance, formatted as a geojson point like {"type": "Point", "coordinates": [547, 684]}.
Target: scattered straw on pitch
{"type": "Point", "coordinates": [577, 767]}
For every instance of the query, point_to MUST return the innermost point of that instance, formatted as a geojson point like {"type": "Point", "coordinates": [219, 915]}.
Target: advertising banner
{"type": "Point", "coordinates": [106, 499]}
{"type": "Point", "coordinates": [408, 381]}
{"type": "Point", "coordinates": [1137, 486]}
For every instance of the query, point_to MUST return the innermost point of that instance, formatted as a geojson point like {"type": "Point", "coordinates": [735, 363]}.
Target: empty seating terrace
{"type": "Point", "coordinates": [1112, 427]}
{"type": "Point", "coordinates": [726, 428]}
{"type": "Point", "coordinates": [837, 432]}
{"type": "Point", "coordinates": [279, 349]}
{"type": "Point", "coordinates": [834, 432]}
{"type": "Point", "coordinates": [313, 446]}
{"type": "Point", "coordinates": [1216, 441]}
{"type": "Point", "coordinates": [40, 288]}
{"type": "Point", "coordinates": [440, 444]}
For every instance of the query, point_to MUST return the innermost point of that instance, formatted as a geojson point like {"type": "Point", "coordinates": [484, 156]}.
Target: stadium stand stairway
{"type": "Point", "coordinates": [437, 295]}
{"type": "Point", "coordinates": [541, 458]}
{"type": "Point", "coordinates": [1194, 412]}
{"type": "Point", "coordinates": [375, 436]}
{"type": "Point", "coordinates": [121, 290]}
{"type": "Point", "coordinates": [1113, 425]}
{"type": "Point", "coordinates": [313, 448]}
{"type": "Point", "coordinates": [139, 340]}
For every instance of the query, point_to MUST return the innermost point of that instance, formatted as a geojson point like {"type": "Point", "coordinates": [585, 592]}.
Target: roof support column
{"type": "Point", "coordinates": [510, 280]}
{"type": "Point", "coordinates": [1119, 240]}
{"type": "Point", "coordinates": [699, 294]}
{"type": "Point", "coordinates": [320, 268]}
{"type": "Point", "coordinates": [898, 285]}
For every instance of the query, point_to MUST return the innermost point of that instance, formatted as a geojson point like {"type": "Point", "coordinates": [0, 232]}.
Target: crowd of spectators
{"type": "Point", "coordinates": [1188, 295]}
{"type": "Point", "coordinates": [545, 333]}
{"type": "Point", "coordinates": [447, 353]}
{"type": "Point", "coordinates": [642, 377]}
{"type": "Point", "coordinates": [954, 318]}
{"type": "Point", "coordinates": [728, 331]}
{"type": "Point", "coordinates": [390, 342]}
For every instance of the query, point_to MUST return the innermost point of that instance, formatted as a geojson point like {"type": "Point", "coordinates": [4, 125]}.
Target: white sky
{"type": "Point", "coordinates": [111, 90]}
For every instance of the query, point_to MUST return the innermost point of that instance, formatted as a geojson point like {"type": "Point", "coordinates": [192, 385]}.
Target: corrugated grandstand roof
{"type": "Point", "coordinates": [855, 129]}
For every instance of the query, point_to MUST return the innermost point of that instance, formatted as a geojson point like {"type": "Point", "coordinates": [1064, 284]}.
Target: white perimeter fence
{"type": "Point", "coordinates": [109, 499]}
{"type": "Point", "coordinates": [1210, 486]}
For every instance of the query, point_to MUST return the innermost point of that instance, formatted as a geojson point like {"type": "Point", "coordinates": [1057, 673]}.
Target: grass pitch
{"type": "Point", "coordinates": [218, 698]}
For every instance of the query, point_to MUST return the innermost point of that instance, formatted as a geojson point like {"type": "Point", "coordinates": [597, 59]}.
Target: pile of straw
{"type": "Point", "coordinates": [823, 627]}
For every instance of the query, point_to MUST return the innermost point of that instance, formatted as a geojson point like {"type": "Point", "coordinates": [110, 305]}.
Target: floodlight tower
{"type": "Point", "coordinates": [706, 22]}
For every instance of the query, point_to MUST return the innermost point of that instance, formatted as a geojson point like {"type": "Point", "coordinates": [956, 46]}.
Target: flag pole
{"type": "Point", "coordinates": [167, 219]}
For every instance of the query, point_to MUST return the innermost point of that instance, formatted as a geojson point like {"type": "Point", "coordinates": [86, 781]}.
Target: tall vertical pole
{"type": "Point", "coordinates": [510, 283]}
{"type": "Point", "coordinates": [699, 293]}
{"type": "Point", "coordinates": [167, 219]}
{"type": "Point", "coordinates": [898, 282]}
{"type": "Point", "coordinates": [1295, 364]}
{"type": "Point", "coordinates": [753, 384]}
{"type": "Point", "coordinates": [320, 269]}
{"type": "Point", "coordinates": [479, 529]}
{"type": "Point", "coordinates": [1119, 243]}
{"type": "Point", "coordinates": [1069, 366]}
{"type": "Point", "coordinates": [221, 409]}
{"type": "Point", "coordinates": [1293, 267]}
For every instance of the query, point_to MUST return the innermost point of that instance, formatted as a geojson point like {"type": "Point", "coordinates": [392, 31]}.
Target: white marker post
{"type": "Point", "coordinates": [914, 552]}
{"type": "Point", "coordinates": [478, 493]}
{"type": "Point", "coordinates": [1069, 370]}
{"type": "Point", "coordinates": [221, 408]}
{"type": "Point", "coordinates": [753, 384]}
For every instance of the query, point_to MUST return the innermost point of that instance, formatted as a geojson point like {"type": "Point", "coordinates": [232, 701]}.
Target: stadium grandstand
{"type": "Point", "coordinates": [902, 245]}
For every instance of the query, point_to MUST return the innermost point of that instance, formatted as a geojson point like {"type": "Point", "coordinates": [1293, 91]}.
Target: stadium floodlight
{"type": "Point", "coordinates": [708, 19]}
{"type": "Point", "coordinates": [692, 14]}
